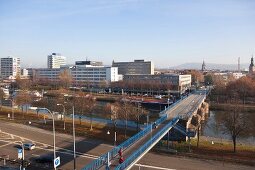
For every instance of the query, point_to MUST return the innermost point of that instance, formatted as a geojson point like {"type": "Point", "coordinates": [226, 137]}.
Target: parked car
{"type": "Point", "coordinates": [29, 146]}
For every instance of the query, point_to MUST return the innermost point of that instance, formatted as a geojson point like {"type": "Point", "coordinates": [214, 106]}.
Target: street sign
{"type": "Point", "coordinates": [56, 162]}
{"type": "Point", "coordinates": [19, 153]}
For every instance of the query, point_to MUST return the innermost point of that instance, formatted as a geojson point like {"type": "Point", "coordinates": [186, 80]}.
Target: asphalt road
{"type": "Point", "coordinates": [88, 150]}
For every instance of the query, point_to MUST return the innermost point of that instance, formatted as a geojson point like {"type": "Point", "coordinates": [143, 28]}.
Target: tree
{"type": "Point", "coordinates": [65, 78]}
{"type": "Point", "coordinates": [234, 124]}
{"type": "Point", "coordinates": [1, 96]}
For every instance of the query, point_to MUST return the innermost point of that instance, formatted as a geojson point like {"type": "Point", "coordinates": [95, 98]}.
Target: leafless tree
{"type": "Point", "coordinates": [234, 123]}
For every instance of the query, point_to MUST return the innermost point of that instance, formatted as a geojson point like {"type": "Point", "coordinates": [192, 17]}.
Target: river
{"type": "Point", "coordinates": [212, 128]}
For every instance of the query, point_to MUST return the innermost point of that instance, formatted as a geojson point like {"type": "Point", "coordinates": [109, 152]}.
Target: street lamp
{"type": "Point", "coordinates": [12, 108]}
{"type": "Point", "coordinates": [64, 110]}
{"type": "Point", "coordinates": [74, 154]}
{"type": "Point", "coordinates": [53, 127]}
{"type": "Point", "coordinates": [23, 154]}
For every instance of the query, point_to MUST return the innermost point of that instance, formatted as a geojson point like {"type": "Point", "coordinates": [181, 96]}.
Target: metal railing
{"type": "Point", "coordinates": [148, 144]}
{"type": "Point", "coordinates": [162, 113]}
{"type": "Point", "coordinates": [102, 160]}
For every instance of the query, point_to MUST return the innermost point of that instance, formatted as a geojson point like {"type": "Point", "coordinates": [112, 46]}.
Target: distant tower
{"type": "Point", "coordinates": [252, 67]}
{"type": "Point", "coordinates": [239, 65]}
{"type": "Point", "coordinates": [203, 66]}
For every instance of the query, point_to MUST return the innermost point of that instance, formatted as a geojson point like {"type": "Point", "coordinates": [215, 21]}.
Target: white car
{"type": "Point", "coordinates": [29, 146]}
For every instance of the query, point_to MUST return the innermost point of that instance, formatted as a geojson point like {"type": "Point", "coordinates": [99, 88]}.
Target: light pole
{"type": "Point", "coordinates": [12, 108]}
{"type": "Point", "coordinates": [54, 135]}
{"type": "Point", "coordinates": [64, 110]}
{"type": "Point", "coordinates": [23, 154]}
{"type": "Point", "coordinates": [74, 154]}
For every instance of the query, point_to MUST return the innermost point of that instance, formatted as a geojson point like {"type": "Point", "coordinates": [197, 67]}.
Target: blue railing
{"type": "Point", "coordinates": [171, 106]}
{"type": "Point", "coordinates": [102, 160]}
{"type": "Point", "coordinates": [142, 149]}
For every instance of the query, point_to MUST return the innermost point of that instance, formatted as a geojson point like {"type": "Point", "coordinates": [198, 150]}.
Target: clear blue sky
{"type": "Point", "coordinates": [168, 32]}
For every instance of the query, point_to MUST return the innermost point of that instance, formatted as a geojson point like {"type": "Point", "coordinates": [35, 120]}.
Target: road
{"type": "Point", "coordinates": [88, 150]}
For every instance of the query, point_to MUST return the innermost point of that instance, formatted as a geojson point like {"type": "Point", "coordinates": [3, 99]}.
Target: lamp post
{"type": "Point", "coordinates": [54, 135]}
{"type": "Point", "coordinates": [64, 110]}
{"type": "Point", "coordinates": [23, 154]}
{"type": "Point", "coordinates": [74, 154]}
{"type": "Point", "coordinates": [12, 108]}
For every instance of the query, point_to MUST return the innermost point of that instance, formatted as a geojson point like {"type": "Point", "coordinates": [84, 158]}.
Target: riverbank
{"type": "Point", "coordinates": [229, 106]}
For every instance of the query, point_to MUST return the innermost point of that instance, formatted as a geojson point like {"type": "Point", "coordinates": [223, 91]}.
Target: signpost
{"type": "Point", "coordinates": [56, 162]}
{"type": "Point", "coordinates": [20, 155]}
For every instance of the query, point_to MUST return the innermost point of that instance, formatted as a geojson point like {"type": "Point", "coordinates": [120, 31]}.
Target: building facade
{"type": "Point", "coordinates": [10, 67]}
{"type": "Point", "coordinates": [179, 83]}
{"type": "Point", "coordinates": [80, 74]}
{"type": "Point", "coordinates": [138, 67]}
{"type": "Point", "coordinates": [55, 60]}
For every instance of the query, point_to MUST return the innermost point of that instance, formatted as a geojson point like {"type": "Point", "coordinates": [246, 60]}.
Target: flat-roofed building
{"type": "Point", "coordinates": [10, 67]}
{"type": "Point", "coordinates": [81, 74]}
{"type": "Point", "coordinates": [138, 67]}
{"type": "Point", "coordinates": [178, 83]}
{"type": "Point", "coordinates": [55, 60]}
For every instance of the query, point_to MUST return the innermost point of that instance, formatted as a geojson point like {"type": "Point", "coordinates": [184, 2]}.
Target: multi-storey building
{"type": "Point", "coordinates": [55, 60]}
{"type": "Point", "coordinates": [179, 83]}
{"type": "Point", "coordinates": [82, 73]}
{"type": "Point", "coordinates": [10, 67]}
{"type": "Point", "coordinates": [138, 67]}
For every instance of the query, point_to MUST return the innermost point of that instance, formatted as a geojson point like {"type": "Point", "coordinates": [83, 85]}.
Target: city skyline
{"type": "Point", "coordinates": [167, 33]}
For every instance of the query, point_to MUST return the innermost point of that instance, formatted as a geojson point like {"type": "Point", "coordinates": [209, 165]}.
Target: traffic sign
{"type": "Point", "coordinates": [56, 162]}
{"type": "Point", "coordinates": [19, 153]}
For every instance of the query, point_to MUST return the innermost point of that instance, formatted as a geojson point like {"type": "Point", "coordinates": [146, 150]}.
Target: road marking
{"type": "Point", "coordinates": [35, 155]}
{"type": "Point", "coordinates": [153, 167]}
{"type": "Point", "coordinates": [5, 145]}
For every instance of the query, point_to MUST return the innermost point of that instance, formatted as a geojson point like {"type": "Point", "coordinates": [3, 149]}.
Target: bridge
{"type": "Point", "coordinates": [138, 145]}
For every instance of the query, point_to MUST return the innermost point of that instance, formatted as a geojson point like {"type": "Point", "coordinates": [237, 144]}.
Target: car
{"type": "Point", "coordinates": [29, 146]}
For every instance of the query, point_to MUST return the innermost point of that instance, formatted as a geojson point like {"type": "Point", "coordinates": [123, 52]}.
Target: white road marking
{"type": "Point", "coordinates": [5, 145]}
{"type": "Point", "coordinates": [152, 167]}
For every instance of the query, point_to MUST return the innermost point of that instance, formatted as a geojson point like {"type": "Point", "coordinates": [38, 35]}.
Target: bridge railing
{"type": "Point", "coordinates": [171, 106]}
{"type": "Point", "coordinates": [143, 148]}
{"type": "Point", "coordinates": [102, 160]}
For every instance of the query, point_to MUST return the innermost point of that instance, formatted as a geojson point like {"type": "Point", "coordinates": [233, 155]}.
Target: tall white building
{"type": "Point", "coordinates": [55, 60]}
{"type": "Point", "coordinates": [10, 67]}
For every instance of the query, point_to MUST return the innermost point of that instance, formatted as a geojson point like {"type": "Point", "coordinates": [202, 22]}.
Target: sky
{"type": "Point", "coordinates": [167, 32]}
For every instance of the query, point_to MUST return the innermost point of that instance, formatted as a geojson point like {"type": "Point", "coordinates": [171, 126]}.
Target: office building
{"type": "Point", "coordinates": [179, 83]}
{"type": "Point", "coordinates": [81, 73]}
{"type": "Point", "coordinates": [55, 60]}
{"type": "Point", "coordinates": [138, 67]}
{"type": "Point", "coordinates": [10, 67]}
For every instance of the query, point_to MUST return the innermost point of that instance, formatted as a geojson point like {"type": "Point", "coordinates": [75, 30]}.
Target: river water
{"type": "Point", "coordinates": [213, 128]}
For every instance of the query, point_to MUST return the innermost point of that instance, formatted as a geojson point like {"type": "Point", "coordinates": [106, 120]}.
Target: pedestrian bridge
{"type": "Point", "coordinates": [138, 145]}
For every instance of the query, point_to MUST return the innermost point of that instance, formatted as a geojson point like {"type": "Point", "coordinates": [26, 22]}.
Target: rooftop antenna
{"type": "Point", "coordinates": [238, 64]}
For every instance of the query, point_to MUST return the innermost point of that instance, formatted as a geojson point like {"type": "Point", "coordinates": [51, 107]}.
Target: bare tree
{"type": "Point", "coordinates": [65, 78]}
{"type": "Point", "coordinates": [234, 124]}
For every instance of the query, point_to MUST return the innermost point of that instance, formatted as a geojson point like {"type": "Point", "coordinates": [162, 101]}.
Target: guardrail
{"type": "Point", "coordinates": [142, 149]}
{"type": "Point", "coordinates": [102, 160]}
{"type": "Point", "coordinates": [171, 106]}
